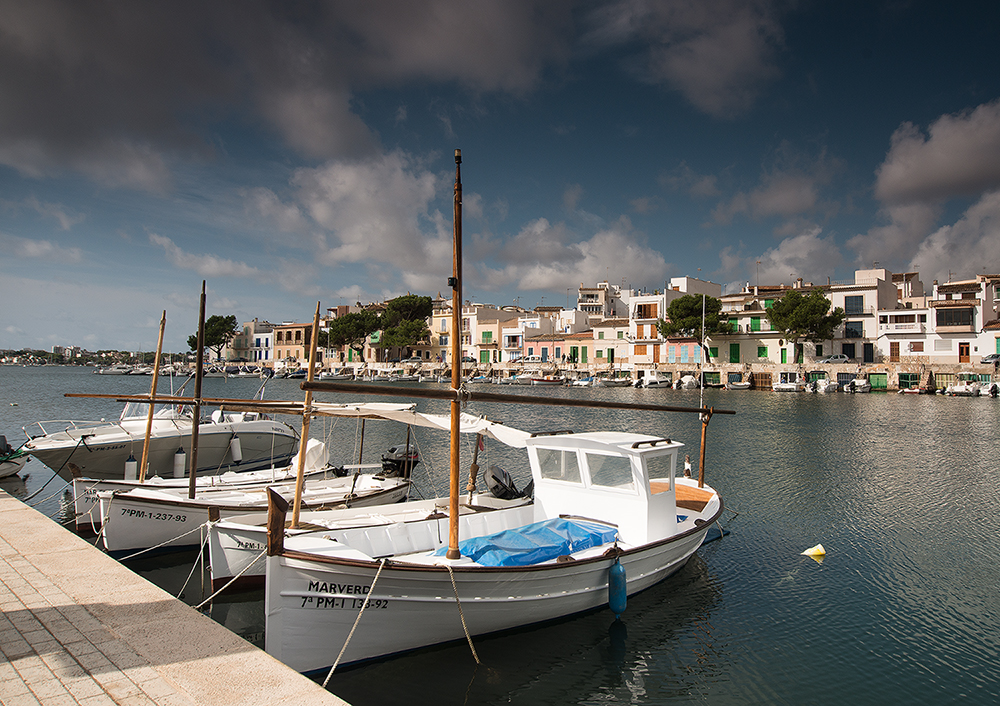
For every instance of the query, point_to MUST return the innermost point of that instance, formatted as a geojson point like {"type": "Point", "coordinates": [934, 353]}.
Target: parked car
{"type": "Point", "coordinates": [992, 358]}
{"type": "Point", "coordinates": [413, 359]}
{"type": "Point", "coordinates": [836, 358]}
{"type": "Point", "coordinates": [468, 359]}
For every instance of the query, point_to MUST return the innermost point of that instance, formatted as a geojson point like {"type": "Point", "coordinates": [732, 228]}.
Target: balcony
{"type": "Point", "coordinates": [902, 328]}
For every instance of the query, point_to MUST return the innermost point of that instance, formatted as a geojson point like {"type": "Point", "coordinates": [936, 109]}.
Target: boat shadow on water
{"type": "Point", "coordinates": [665, 632]}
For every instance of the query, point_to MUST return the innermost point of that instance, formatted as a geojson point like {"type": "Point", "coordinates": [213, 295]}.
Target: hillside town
{"type": "Point", "coordinates": [897, 333]}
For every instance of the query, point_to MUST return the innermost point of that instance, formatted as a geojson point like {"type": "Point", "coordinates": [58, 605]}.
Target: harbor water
{"type": "Point", "coordinates": [901, 490]}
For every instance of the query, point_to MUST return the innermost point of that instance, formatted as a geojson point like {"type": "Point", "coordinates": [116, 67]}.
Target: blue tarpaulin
{"type": "Point", "coordinates": [535, 543]}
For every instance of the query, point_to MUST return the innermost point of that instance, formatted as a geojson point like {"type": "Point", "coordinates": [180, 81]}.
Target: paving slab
{"type": "Point", "coordinates": [79, 628]}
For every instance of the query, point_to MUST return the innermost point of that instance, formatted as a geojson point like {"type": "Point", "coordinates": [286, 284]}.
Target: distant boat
{"type": "Point", "coordinates": [788, 381]}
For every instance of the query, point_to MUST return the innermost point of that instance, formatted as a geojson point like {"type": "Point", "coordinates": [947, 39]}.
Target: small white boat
{"type": "Point", "coordinates": [653, 378]}
{"type": "Point", "coordinates": [858, 384]}
{"type": "Point", "coordinates": [608, 381]}
{"type": "Point", "coordinates": [686, 382]}
{"type": "Point", "coordinates": [966, 385]}
{"type": "Point", "coordinates": [788, 381]}
{"type": "Point", "coordinates": [548, 380]}
{"type": "Point", "coordinates": [583, 382]}
{"type": "Point", "coordinates": [116, 369]}
{"type": "Point", "coordinates": [739, 385]}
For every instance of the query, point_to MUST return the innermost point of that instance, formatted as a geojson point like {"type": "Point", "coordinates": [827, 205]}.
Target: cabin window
{"type": "Point", "coordinates": [556, 464]}
{"type": "Point", "coordinates": [610, 471]}
{"type": "Point", "coordinates": [661, 470]}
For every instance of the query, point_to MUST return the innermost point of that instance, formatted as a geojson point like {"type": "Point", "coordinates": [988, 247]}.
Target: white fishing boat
{"type": "Point", "coordinates": [166, 518]}
{"type": "Point", "coordinates": [653, 378]}
{"type": "Point", "coordinates": [788, 381]}
{"type": "Point", "coordinates": [86, 491]}
{"type": "Point", "coordinates": [610, 517]}
{"type": "Point", "coordinates": [602, 500]}
{"type": "Point", "coordinates": [228, 441]}
{"type": "Point", "coordinates": [548, 380]}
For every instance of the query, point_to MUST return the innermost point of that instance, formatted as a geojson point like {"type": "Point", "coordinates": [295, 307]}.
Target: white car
{"type": "Point", "coordinates": [838, 358]}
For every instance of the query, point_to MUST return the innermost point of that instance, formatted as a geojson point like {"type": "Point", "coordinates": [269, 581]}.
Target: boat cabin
{"type": "Point", "coordinates": [617, 478]}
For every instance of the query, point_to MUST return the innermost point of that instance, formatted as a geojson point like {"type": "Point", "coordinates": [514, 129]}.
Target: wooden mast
{"type": "Point", "coordinates": [199, 362]}
{"type": "Point", "coordinates": [152, 393]}
{"type": "Point", "coordinates": [456, 362]}
{"type": "Point", "coordinates": [306, 414]}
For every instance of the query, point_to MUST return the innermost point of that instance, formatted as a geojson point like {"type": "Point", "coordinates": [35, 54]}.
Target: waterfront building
{"type": "Point", "coordinates": [612, 347]}
{"type": "Point", "coordinates": [605, 301]}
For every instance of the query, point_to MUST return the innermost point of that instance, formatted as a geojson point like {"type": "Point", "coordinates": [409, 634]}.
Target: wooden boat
{"type": "Point", "coordinates": [610, 517]}
{"type": "Point", "coordinates": [166, 519]}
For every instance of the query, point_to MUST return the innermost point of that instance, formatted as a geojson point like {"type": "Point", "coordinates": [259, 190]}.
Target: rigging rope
{"type": "Point", "coordinates": [461, 614]}
{"type": "Point", "coordinates": [364, 605]}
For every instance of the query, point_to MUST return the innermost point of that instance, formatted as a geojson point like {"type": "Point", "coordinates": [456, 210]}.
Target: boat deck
{"type": "Point", "coordinates": [79, 628]}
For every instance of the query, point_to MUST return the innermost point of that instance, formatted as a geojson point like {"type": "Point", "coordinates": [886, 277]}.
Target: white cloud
{"type": "Point", "coordinates": [807, 255]}
{"type": "Point", "coordinates": [374, 209]}
{"type": "Point", "coordinates": [895, 241]}
{"type": "Point", "coordinates": [543, 257]}
{"type": "Point", "coordinates": [960, 155]}
{"type": "Point", "coordinates": [971, 245]}
{"type": "Point", "coordinates": [204, 265]}
{"type": "Point", "coordinates": [56, 212]}
{"type": "Point", "coordinates": [16, 247]}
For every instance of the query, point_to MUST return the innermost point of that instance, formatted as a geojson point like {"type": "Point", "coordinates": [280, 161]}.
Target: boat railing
{"type": "Point", "coordinates": [58, 425]}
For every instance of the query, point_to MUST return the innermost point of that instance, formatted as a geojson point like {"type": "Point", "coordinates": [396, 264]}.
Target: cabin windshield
{"type": "Point", "coordinates": [558, 464]}
{"type": "Point", "coordinates": [140, 410]}
{"type": "Point", "coordinates": [610, 471]}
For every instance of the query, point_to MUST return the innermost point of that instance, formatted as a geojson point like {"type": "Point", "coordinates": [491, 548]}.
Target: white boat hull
{"type": "Point", "coordinates": [310, 616]}
{"type": "Point", "coordinates": [101, 452]}
{"type": "Point", "coordinates": [12, 465]}
{"type": "Point", "coordinates": [146, 518]}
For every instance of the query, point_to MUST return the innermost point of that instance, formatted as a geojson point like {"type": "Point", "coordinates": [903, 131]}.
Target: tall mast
{"type": "Point", "coordinates": [456, 362]}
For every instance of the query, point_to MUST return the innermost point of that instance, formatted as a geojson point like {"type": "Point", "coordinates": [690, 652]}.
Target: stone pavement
{"type": "Point", "coordinates": [79, 628]}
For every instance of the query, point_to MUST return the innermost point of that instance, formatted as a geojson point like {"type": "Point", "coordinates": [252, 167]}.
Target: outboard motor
{"type": "Point", "coordinates": [502, 486]}
{"type": "Point", "coordinates": [400, 460]}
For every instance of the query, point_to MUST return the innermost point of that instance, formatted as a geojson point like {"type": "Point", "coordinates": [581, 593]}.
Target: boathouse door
{"type": "Point", "coordinates": [963, 352]}
{"type": "Point", "coordinates": [869, 353]}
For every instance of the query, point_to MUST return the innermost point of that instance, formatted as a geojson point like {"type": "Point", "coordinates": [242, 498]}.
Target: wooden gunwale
{"type": "Point", "coordinates": [458, 568]}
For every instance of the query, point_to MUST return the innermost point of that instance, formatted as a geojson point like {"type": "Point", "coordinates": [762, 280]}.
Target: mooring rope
{"type": "Point", "coordinates": [162, 544]}
{"type": "Point", "coordinates": [198, 562]}
{"type": "Point", "coordinates": [230, 581]}
{"type": "Point", "coordinates": [461, 614]}
{"type": "Point", "coordinates": [357, 620]}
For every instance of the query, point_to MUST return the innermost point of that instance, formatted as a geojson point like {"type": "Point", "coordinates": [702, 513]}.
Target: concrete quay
{"type": "Point", "coordinates": [79, 628]}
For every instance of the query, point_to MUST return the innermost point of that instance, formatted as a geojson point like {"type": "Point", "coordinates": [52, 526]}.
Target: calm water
{"type": "Point", "coordinates": [902, 491]}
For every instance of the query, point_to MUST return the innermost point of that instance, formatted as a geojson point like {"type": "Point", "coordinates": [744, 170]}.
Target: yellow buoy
{"type": "Point", "coordinates": [815, 551]}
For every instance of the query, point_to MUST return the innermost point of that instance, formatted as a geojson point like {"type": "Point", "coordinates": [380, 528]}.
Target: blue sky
{"type": "Point", "coordinates": [295, 153]}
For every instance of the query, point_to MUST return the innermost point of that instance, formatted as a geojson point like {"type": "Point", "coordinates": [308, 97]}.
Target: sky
{"type": "Point", "coordinates": [290, 153]}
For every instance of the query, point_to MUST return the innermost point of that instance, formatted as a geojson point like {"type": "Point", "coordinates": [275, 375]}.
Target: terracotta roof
{"type": "Point", "coordinates": [993, 325]}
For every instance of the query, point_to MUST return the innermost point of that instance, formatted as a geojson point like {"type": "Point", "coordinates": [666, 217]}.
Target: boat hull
{"type": "Point", "coordinates": [310, 615]}
{"type": "Point", "coordinates": [102, 452]}
{"type": "Point", "coordinates": [134, 522]}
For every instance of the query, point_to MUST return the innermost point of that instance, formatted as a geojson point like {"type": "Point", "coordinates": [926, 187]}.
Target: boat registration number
{"type": "Point", "coordinates": [160, 516]}
{"type": "Point", "coordinates": [342, 602]}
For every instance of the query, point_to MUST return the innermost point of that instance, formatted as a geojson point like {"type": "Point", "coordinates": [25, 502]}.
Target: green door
{"type": "Point", "coordinates": [734, 352]}
{"type": "Point", "coordinates": [784, 355]}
